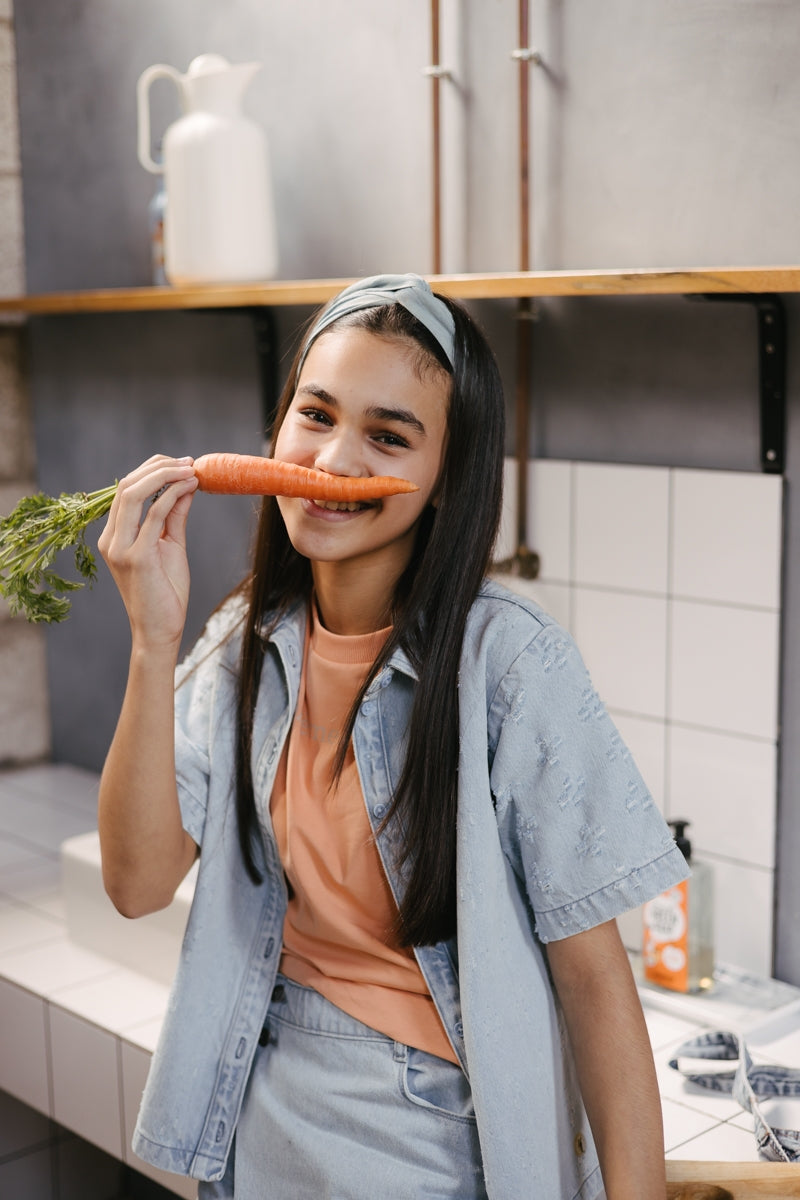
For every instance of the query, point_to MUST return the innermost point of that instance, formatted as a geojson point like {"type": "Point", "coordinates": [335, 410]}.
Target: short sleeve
{"type": "Point", "coordinates": [576, 819]}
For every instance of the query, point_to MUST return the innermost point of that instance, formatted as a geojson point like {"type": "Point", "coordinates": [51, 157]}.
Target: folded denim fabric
{"type": "Point", "coordinates": [720, 1062]}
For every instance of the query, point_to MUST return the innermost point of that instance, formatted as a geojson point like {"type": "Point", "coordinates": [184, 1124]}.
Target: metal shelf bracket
{"type": "Point", "coordinates": [263, 321]}
{"type": "Point", "coordinates": [771, 323]}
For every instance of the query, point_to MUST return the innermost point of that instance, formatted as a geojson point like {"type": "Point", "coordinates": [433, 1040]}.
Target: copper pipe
{"type": "Point", "coordinates": [527, 561]}
{"type": "Point", "coordinates": [524, 138]}
{"type": "Point", "coordinates": [435, 74]}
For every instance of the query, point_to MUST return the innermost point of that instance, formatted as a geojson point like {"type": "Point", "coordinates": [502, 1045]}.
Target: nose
{"type": "Point", "coordinates": [340, 454]}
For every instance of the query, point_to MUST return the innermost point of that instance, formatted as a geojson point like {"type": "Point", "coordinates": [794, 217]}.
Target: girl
{"type": "Point", "coordinates": [401, 975]}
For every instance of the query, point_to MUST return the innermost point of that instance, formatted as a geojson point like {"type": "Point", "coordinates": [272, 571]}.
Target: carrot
{"type": "Point", "coordinates": [252, 475]}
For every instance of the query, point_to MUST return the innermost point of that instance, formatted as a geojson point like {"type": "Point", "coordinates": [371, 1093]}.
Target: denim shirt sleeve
{"type": "Point", "coordinates": [204, 679]}
{"type": "Point", "coordinates": [576, 820]}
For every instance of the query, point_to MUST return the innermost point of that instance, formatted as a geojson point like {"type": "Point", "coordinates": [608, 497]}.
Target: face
{"type": "Point", "coordinates": [362, 409]}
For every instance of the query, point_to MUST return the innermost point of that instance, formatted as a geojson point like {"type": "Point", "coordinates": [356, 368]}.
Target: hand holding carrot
{"type": "Point", "coordinates": [41, 526]}
{"type": "Point", "coordinates": [145, 549]}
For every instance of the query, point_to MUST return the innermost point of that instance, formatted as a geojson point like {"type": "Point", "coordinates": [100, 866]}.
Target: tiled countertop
{"type": "Point", "coordinates": [79, 1029]}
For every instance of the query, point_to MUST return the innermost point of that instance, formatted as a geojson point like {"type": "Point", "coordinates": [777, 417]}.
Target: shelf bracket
{"type": "Point", "coordinates": [771, 324]}
{"type": "Point", "coordinates": [263, 319]}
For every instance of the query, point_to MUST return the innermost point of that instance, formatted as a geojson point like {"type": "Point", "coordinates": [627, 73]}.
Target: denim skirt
{"type": "Point", "coordinates": [336, 1111]}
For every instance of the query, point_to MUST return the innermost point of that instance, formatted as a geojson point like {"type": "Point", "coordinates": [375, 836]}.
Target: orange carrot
{"type": "Point", "coordinates": [251, 475]}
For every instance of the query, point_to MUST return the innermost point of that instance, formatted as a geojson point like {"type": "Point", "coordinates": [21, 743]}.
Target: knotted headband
{"type": "Point", "coordinates": [410, 291]}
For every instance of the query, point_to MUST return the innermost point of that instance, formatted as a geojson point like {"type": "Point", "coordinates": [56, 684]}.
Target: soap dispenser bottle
{"type": "Point", "coordinates": [678, 943]}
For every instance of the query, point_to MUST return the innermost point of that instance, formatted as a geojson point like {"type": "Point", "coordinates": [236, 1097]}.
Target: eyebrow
{"type": "Point", "coordinates": [377, 412]}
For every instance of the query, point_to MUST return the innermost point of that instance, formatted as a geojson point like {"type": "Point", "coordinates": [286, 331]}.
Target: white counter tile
{"type": "Point", "coordinates": [35, 882]}
{"type": "Point", "coordinates": [51, 966]}
{"type": "Point", "coordinates": [21, 927]}
{"type": "Point", "coordinates": [682, 1124]}
{"type": "Point", "coordinates": [665, 1028]}
{"type": "Point", "coordinates": [86, 1080]}
{"type": "Point", "coordinates": [54, 783]}
{"type": "Point", "coordinates": [727, 1142]}
{"type": "Point", "coordinates": [144, 1035]}
{"type": "Point", "coordinates": [116, 1001]}
{"type": "Point", "coordinates": [23, 1047]}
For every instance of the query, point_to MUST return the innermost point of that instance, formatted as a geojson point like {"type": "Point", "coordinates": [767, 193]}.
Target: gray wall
{"type": "Point", "coordinates": [664, 134]}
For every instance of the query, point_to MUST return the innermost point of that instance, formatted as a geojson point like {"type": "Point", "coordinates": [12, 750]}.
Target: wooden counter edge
{"type": "Point", "coordinates": [688, 1180]}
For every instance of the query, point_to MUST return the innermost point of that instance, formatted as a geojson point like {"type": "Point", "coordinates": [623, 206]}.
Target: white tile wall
{"type": "Point", "coordinates": [620, 527]}
{"type": "Point", "coordinates": [727, 537]}
{"type": "Point", "coordinates": [670, 580]}
{"type": "Point", "coordinates": [724, 667]}
{"type": "Point", "coordinates": [728, 784]}
{"type": "Point", "coordinates": [623, 637]}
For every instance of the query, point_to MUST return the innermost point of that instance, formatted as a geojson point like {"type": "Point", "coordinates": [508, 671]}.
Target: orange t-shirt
{"type": "Point", "coordinates": [338, 935]}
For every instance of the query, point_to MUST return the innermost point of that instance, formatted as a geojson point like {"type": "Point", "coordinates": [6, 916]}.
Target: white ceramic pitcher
{"type": "Point", "coordinates": [219, 224]}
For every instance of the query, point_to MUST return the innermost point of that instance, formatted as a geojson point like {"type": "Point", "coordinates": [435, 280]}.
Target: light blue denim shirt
{"type": "Point", "coordinates": [556, 833]}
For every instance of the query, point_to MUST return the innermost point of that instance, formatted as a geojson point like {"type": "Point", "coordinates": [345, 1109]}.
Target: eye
{"type": "Point", "coordinates": [316, 415]}
{"type": "Point", "coordinates": [392, 439]}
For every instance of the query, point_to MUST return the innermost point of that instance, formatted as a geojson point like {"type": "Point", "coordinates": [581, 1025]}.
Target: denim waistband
{"type": "Point", "coordinates": [747, 1083]}
{"type": "Point", "coordinates": [306, 1008]}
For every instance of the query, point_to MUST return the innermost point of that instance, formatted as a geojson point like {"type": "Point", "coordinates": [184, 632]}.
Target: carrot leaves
{"type": "Point", "coordinates": [30, 538]}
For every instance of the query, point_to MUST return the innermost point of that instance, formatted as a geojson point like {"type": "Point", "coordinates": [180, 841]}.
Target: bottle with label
{"type": "Point", "coordinates": [155, 220]}
{"type": "Point", "coordinates": [678, 941]}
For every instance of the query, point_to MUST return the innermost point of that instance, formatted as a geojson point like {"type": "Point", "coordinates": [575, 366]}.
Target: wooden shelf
{"type": "Point", "coordinates": [509, 285]}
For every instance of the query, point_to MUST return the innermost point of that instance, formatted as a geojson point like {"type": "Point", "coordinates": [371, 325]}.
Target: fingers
{"type": "Point", "coordinates": [144, 547]}
{"type": "Point", "coordinates": [171, 477]}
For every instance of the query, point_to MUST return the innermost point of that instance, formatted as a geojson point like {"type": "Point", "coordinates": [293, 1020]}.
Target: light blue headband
{"type": "Point", "coordinates": [410, 291]}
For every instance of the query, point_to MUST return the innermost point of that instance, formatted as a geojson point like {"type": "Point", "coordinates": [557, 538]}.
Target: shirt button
{"type": "Point", "coordinates": [379, 810]}
{"type": "Point", "coordinates": [458, 1029]}
{"type": "Point", "coordinates": [580, 1145]}
{"type": "Point", "coordinates": [269, 947]}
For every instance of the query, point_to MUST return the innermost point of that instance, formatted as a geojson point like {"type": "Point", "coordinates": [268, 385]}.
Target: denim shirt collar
{"type": "Point", "coordinates": [288, 637]}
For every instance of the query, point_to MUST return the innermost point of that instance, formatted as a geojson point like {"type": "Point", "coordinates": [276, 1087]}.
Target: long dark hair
{"type": "Point", "coordinates": [431, 603]}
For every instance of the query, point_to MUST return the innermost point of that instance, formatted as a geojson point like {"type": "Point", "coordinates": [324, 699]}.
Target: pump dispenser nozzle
{"type": "Point", "coordinates": [683, 843]}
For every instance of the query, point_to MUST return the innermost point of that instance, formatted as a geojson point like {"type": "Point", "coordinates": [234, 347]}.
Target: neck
{"type": "Point", "coordinates": [352, 599]}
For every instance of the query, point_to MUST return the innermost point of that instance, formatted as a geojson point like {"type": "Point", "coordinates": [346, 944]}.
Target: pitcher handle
{"type": "Point", "coordinates": [159, 71]}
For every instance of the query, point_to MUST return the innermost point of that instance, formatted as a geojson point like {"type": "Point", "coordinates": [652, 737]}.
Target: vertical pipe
{"type": "Point", "coordinates": [436, 125]}
{"type": "Point", "coordinates": [524, 137]}
{"type": "Point", "coordinates": [527, 562]}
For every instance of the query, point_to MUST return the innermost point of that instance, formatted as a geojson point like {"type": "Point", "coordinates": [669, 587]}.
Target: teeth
{"type": "Point", "coordinates": [339, 505]}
